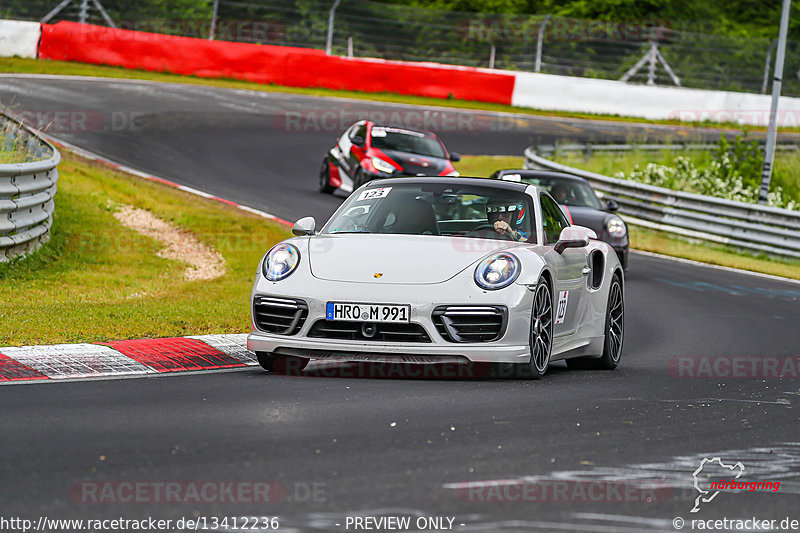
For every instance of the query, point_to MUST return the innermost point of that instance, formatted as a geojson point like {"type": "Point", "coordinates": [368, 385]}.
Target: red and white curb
{"type": "Point", "coordinates": [124, 358]}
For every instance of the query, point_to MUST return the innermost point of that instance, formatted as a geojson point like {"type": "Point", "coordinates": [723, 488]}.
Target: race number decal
{"type": "Point", "coordinates": [561, 310]}
{"type": "Point", "coordinates": [371, 194]}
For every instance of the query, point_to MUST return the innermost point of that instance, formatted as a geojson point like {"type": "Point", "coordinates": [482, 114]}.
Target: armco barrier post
{"type": "Point", "coordinates": [331, 17]}
{"type": "Point", "coordinates": [769, 151]}
{"type": "Point", "coordinates": [539, 42]}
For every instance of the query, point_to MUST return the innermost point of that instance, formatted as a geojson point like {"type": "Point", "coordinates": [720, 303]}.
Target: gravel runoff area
{"type": "Point", "coordinates": [205, 263]}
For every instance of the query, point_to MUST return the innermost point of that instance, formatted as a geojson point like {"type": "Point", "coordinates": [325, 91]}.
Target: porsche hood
{"type": "Point", "coordinates": [395, 259]}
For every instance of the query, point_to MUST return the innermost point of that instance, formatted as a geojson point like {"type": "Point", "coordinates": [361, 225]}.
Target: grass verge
{"type": "Point", "coordinates": [97, 280]}
{"type": "Point", "coordinates": [657, 241]}
{"type": "Point", "coordinates": [44, 66]}
{"type": "Point", "coordinates": [785, 172]}
{"type": "Point", "coordinates": [15, 153]}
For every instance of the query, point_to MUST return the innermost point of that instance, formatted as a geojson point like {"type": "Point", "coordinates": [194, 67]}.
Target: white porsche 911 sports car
{"type": "Point", "coordinates": [440, 269]}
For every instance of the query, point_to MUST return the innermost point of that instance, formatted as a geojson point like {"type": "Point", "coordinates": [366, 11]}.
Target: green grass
{"type": "Point", "coordinates": [482, 166]}
{"type": "Point", "coordinates": [14, 154]}
{"type": "Point", "coordinates": [43, 66]}
{"type": "Point", "coordinates": [651, 240]}
{"type": "Point", "coordinates": [714, 254]}
{"type": "Point", "coordinates": [97, 280]}
{"type": "Point", "coordinates": [785, 173]}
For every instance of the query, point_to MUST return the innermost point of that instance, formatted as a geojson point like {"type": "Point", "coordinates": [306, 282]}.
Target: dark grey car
{"type": "Point", "coordinates": [580, 203]}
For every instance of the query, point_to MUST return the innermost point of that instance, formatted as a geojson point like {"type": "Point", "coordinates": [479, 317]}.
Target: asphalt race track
{"type": "Point", "coordinates": [696, 381]}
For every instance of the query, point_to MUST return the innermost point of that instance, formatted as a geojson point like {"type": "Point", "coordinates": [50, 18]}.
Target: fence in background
{"type": "Point", "coordinates": [539, 43]}
{"type": "Point", "coordinates": [26, 189]}
{"type": "Point", "coordinates": [753, 227]}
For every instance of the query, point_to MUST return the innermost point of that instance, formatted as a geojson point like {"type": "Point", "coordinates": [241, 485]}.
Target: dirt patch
{"type": "Point", "coordinates": [204, 262]}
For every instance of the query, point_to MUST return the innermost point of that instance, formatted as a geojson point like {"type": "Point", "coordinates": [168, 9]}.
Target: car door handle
{"type": "Point", "coordinates": [586, 270]}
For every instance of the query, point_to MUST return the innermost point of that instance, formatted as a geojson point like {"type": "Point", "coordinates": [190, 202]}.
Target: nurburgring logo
{"type": "Point", "coordinates": [707, 495]}
{"type": "Point", "coordinates": [727, 481]}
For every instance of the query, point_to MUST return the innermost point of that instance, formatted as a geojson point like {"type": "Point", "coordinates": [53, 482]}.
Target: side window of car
{"type": "Point", "coordinates": [553, 220]}
{"type": "Point", "coordinates": [360, 132]}
{"type": "Point", "coordinates": [344, 139]}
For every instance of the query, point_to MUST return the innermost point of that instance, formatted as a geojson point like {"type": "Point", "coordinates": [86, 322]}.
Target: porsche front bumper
{"type": "Point", "coordinates": [512, 347]}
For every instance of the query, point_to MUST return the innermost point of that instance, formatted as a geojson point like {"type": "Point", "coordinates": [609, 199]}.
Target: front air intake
{"type": "Point", "coordinates": [382, 331]}
{"type": "Point", "coordinates": [281, 316]}
{"type": "Point", "coordinates": [470, 323]}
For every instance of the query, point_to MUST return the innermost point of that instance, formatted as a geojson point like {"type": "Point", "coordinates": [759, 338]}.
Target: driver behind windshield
{"type": "Point", "coordinates": [409, 208]}
{"type": "Point", "coordinates": [505, 218]}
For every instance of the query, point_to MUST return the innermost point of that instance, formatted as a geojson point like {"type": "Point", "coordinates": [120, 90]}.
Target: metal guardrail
{"type": "Point", "coordinates": [547, 150]}
{"type": "Point", "coordinates": [26, 190]}
{"type": "Point", "coordinates": [753, 227]}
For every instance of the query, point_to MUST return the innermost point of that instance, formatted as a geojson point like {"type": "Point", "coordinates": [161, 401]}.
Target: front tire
{"type": "Point", "coordinates": [281, 364]}
{"type": "Point", "coordinates": [541, 338]}
{"type": "Point", "coordinates": [358, 178]}
{"type": "Point", "coordinates": [614, 333]}
{"type": "Point", "coordinates": [325, 177]}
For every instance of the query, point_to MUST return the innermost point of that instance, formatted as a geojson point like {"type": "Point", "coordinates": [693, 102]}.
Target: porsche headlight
{"type": "Point", "coordinates": [616, 227]}
{"type": "Point", "coordinates": [497, 271]}
{"type": "Point", "coordinates": [280, 261]}
{"type": "Point", "coordinates": [382, 165]}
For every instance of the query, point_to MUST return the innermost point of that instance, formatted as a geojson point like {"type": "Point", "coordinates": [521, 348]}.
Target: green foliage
{"type": "Point", "coordinates": [743, 18]}
{"type": "Point", "coordinates": [746, 157]}
{"type": "Point", "coordinates": [119, 10]}
{"type": "Point", "coordinates": [734, 173]}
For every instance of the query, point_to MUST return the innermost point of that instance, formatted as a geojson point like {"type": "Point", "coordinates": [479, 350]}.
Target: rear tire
{"type": "Point", "coordinates": [325, 177]}
{"type": "Point", "coordinates": [281, 364]}
{"type": "Point", "coordinates": [614, 333]}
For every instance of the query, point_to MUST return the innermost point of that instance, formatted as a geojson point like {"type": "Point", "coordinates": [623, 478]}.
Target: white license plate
{"type": "Point", "coordinates": [368, 312]}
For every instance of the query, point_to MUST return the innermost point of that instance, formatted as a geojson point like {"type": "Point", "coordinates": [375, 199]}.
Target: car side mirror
{"type": "Point", "coordinates": [571, 238]}
{"type": "Point", "coordinates": [455, 157]}
{"type": "Point", "coordinates": [304, 226]}
{"type": "Point", "coordinates": [612, 206]}
{"type": "Point", "coordinates": [588, 231]}
{"type": "Point", "coordinates": [358, 141]}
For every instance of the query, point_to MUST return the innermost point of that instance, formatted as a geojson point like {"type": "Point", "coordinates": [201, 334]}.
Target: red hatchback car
{"type": "Point", "coordinates": [367, 151]}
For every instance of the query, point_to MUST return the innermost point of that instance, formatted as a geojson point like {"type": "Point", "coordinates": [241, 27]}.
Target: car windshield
{"type": "Point", "coordinates": [565, 191]}
{"type": "Point", "coordinates": [406, 141]}
{"type": "Point", "coordinates": [436, 209]}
